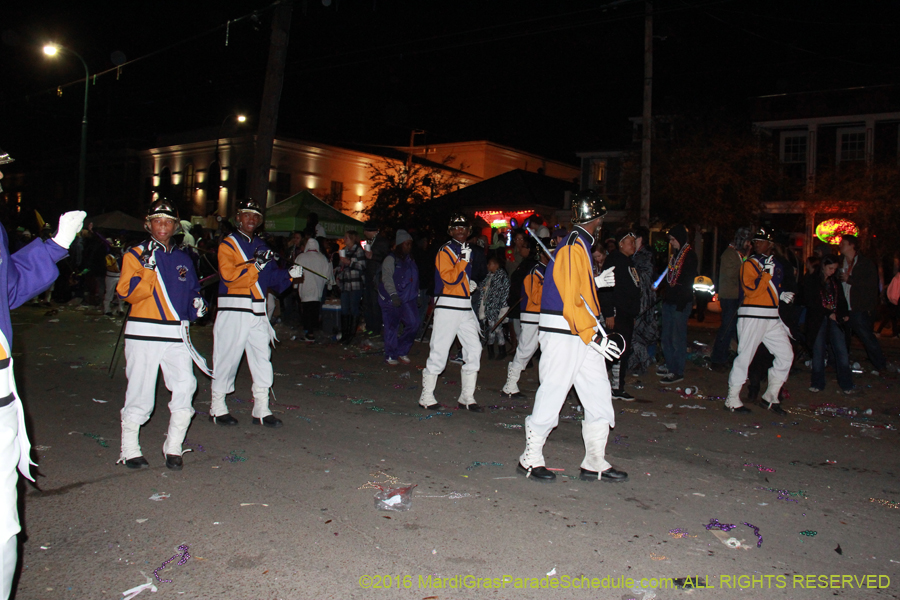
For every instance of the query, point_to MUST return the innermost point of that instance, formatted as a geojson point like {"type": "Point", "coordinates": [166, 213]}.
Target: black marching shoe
{"type": "Point", "coordinates": [470, 407]}
{"type": "Point", "coordinates": [174, 462]}
{"type": "Point", "coordinates": [436, 406]}
{"type": "Point", "coordinates": [268, 421]}
{"type": "Point", "coordinates": [775, 407]}
{"type": "Point", "coordinates": [739, 409]}
{"type": "Point", "coordinates": [517, 395]}
{"type": "Point", "coordinates": [225, 419]}
{"type": "Point", "coordinates": [539, 474]}
{"type": "Point", "coordinates": [623, 395]}
{"type": "Point", "coordinates": [610, 475]}
{"type": "Point", "coordinates": [138, 462]}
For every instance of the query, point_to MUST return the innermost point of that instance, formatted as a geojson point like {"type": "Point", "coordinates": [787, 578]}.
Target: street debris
{"type": "Point", "coordinates": [395, 499]}
{"type": "Point", "coordinates": [129, 594]}
{"type": "Point", "coordinates": [183, 549]}
{"type": "Point", "coordinates": [159, 496]}
{"type": "Point", "coordinates": [483, 464]}
{"type": "Point", "coordinates": [235, 456]}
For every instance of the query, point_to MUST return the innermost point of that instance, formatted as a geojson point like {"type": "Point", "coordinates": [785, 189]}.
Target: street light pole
{"type": "Point", "coordinates": [240, 119]}
{"type": "Point", "coordinates": [52, 50]}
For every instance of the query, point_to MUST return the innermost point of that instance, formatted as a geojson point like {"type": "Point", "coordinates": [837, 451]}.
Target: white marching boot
{"type": "Point", "coordinates": [179, 422]}
{"type": "Point", "coordinates": [531, 463]}
{"type": "Point", "coordinates": [467, 394]}
{"type": "Point", "coordinates": [511, 387]}
{"type": "Point", "coordinates": [427, 399]}
{"type": "Point", "coordinates": [594, 467]}
{"type": "Point", "coordinates": [130, 454]}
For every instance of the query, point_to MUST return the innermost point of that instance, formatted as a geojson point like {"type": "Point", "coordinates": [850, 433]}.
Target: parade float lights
{"type": "Point", "coordinates": [833, 230]}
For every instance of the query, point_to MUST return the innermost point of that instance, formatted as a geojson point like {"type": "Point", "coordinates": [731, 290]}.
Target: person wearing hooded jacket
{"type": "Point", "coordinates": [677, 304]}
{"type": "Point", "coordinates": [317, 275]}
{"type": "Point", "coordinates": [398, 293]}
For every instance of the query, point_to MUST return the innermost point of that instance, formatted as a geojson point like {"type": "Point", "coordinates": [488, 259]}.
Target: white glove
{"type": "Point", "coordinates": [787, 297]}
{"type": "Point", "coordinates": [606, 348]}
{"type": "Point", "coordinates": [148, 258]}
{"type": "Point", "coordinates": [472, 287]}
{"type": "Point", "coordinates": [70, 224]}
{"type": "Point", "coordinates": [466, 253]}
{"type": "Point", "coordinates": [606, 278]}
{"type": "Point", "coordinates": [262, 257]}
{"type": "Point", "coordinates": [769, 264]}
{"type": "Point", "coordinates": [200, 306]}
{"type": "Point", "coordinates": [295, 272]}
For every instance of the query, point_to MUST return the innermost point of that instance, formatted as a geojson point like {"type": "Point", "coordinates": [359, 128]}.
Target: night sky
{"type": "Point", "coordinates": [552, 77]}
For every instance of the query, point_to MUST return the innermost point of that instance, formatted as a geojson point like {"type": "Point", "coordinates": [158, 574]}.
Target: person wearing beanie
{"type": "Point", "coordinates": [398, 292]}
{"type": "Point", "coordinates": [677, 304]}
{"type": "Point", "coordinates": [729, 290]}
{"type": "Point", "coordinates": [620, 305]}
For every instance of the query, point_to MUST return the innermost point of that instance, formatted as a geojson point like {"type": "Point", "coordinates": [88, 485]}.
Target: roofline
{"type": "Point", "coordinates": [880, 117]}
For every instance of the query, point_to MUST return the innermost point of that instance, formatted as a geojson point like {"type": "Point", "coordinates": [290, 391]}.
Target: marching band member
{"type": "Point", "coordinates": [159, 282]}
{"type": "Point", "coordinates": [248, 269]}
{"type": "Point", "coordinates": [453, 317]}
{"type": "Point", "coordinates": [574, 350]}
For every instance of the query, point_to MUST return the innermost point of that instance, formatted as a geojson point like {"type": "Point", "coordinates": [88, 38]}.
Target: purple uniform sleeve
{"type": "Point", "coordinates": [32, 270]}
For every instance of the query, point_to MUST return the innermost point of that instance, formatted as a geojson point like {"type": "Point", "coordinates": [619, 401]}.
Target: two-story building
{"type": "Point", "coordinates": [207, 176]}
{"type": "Point", "coordinates": [820, 133]}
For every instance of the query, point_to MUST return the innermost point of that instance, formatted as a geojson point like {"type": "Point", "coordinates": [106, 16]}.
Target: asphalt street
{"type": "Point", "coordinates": [290, 513]}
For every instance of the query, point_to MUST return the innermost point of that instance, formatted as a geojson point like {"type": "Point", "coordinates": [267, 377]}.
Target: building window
{"type": "Point", "coordinates": [165, 184]}
{"type": "Point", "coordinates": [793, 147]}
{"type": "Point", "coordinates": [241, 184]}
{"type": "Point", "coordinates": [598, 175]}
{"type": "Point", "coordinates": [336, 197]}
{"type": "Point", "coordinates": [851, 144]}
{"type": "Point", "coordinates": [213, 183]}
{"type": "Point", "coordinates": [282, 186]}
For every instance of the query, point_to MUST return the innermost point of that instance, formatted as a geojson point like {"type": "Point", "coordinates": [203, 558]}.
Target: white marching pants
{"type": "Point", "coordinates": [567, 361]}
{"type": "Point", "coordinates": [449, 324]}
{"type": "Point", "coordinates": [528, 345]}
{"type": "Point", "coordinates": [234, 334]}
{"type": "Point", "coordinates": [772, 333]}
{"type": "Point", "coordinates": [143, 360]}
{"type": "Point", "coordinates": [9, 511]}
{"type": "Point", "coordinates": [111, 295]}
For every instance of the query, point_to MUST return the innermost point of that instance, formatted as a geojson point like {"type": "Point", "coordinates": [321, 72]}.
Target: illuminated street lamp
{"type": "Point", "coordinates": [53, 50]}
{"type": "Point", "coordinates": [239, 118]}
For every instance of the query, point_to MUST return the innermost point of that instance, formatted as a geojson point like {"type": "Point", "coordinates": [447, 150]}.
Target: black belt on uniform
{"type": "Point", "coordinates": [7, 401]}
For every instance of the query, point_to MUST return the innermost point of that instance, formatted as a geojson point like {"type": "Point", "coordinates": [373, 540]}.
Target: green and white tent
{"type": "Point", "coordinates": [292, 213]}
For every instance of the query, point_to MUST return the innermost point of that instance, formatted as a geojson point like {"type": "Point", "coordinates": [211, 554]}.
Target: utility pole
{"type": "Point", "coordinates": [268, 115]}
{"type": "Point", "coordinates": [647, 118]}
{"type": "Point", "coordinates": [412, 143]}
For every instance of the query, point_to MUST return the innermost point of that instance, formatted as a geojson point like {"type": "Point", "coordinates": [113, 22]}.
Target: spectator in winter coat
{"type": "Point", "coordinates": [826, 314]}
{"type": "Point", "coordinates": [859, 280]}
{"type": "Point", "coordinates": [317, 274]}
{"type": "Point", "coordinates": [677, 304]}
{"type": "Point", "coordinates": [620, 305]}
{"type": "Point", "coordinates": [494, 297]}
{"type": "Point", "coordinates": [352, 273]}
{"type": "Point", "coordinates": [398, 290]}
